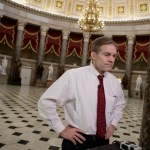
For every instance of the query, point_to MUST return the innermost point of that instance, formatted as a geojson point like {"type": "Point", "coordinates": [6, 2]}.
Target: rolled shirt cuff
{"type": "Point", "coordinates": [114, 123]}
{"type": "Point", "coordinates": [58, 127]}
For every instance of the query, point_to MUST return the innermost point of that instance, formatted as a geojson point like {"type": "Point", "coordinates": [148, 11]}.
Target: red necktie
{"type": "Point", "coordinates": [101, 121]}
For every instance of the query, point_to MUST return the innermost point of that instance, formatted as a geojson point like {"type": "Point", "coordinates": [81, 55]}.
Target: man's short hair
{"type": "Point", "coordinates": [104, 40]}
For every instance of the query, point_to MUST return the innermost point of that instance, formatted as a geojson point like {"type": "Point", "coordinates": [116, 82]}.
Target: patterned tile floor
{"type": "Point", "coordinates": [21, 127]}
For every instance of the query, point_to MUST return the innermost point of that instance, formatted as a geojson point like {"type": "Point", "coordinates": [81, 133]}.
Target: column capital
{"type": "Point", "coordinates": [130, 38]}
{"type": "Point", "coordinates": [109, 35]}
{"type": "Point", "coordinates": [21, 25]}
{"type": "Point", "coordinates": [86, 36]}
{"type": "Point", "coordinates": [44, 30]}
{"type": "Point", "coordinates": [65, 34]}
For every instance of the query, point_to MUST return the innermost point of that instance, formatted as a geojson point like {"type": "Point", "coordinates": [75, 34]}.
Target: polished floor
{"type": "Point", "coordinates": [21, 127]}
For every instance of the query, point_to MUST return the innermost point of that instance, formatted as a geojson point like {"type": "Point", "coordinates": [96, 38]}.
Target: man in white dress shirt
{"type": "Point", "coordinates": [77, 91]}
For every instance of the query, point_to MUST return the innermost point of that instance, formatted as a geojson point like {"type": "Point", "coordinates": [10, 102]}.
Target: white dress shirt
{"type": "Point", "coordinates": [77, 90]}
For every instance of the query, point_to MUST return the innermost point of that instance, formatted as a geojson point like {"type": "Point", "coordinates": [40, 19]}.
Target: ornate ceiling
{"type": "Point", "coordinates": [111, 10]}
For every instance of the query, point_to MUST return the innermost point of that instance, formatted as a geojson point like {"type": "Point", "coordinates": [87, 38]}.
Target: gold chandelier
{"type": "Point", "coordinates": [91, 20]}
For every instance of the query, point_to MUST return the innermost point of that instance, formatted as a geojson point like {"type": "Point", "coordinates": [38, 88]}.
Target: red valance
{"type": "Point", "coordinates": [53, 42]}
{"type": "Point", "coordinates": [31, 38]}
{"type": "Point", "coordinates": [75, 45]}
{"type": "Point", "coordinates": [121, 42]}
{"type": "Point", "coordinates": [8, 29]}
{"type": "Point", "coordinates": [141, 48]}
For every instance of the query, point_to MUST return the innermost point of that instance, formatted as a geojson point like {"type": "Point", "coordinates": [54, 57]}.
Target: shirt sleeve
{"type": "Point", "coordinates": [118, 106]}
{"type": "Point", "coordinates": [56, 94]}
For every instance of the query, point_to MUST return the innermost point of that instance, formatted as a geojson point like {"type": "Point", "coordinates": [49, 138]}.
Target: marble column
{"type": "Point", "coordinates": [19, 39]}
{"type": "Point", "coordinates": [85, 48]}
{"type": "Point", "coordinates": [129, 60]}
{"type": "Point", "coordinates": [42, 44]}
{"type": "Point", "coordinates": [145, 126]}
{"type": "Point", "coordinates": [65, 34]}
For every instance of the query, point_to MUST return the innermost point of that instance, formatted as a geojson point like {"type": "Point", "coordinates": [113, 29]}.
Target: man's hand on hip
{"type": "Point", "coordinates": [110, 131]}
{"type": "Point", "coordinates": [73, 134]}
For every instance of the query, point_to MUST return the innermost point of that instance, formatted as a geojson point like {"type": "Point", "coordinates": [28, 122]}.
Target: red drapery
{"type": "Point", "coordinates": [53, 42]}
{"type": "Point", "coordinates": [141, 48]}
{"type": "Point", "coordinates": [121, 41]}
{"type": "Point", "coordinates": [8, 29]}
{"type": "Point", "coordinates": [31, 38]}
{"type": "Point", "coordinates": [75, 45]}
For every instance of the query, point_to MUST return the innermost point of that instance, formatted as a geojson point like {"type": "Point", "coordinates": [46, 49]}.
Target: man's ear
{"type": "Point", "coordinates": [93, 55]}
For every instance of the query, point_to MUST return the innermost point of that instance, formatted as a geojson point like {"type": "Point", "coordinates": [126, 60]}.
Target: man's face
{"type": "Point", "coordinates": [104, 60]}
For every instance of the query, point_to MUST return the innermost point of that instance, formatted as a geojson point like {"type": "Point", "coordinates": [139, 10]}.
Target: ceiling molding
{"type": "Point", "coordinates": [70, 19]}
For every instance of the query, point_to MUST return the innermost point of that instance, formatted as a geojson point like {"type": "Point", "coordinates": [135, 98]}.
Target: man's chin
{"type": "Point", "coordinates": [108, 69]}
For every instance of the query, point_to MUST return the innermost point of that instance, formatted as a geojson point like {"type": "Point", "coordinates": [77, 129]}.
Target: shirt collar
{"type": "Point", "coordinates": [95, 72]}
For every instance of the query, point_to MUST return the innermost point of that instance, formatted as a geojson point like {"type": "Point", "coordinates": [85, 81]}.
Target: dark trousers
{"type": "Point", "coordinates": [90, 142]}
